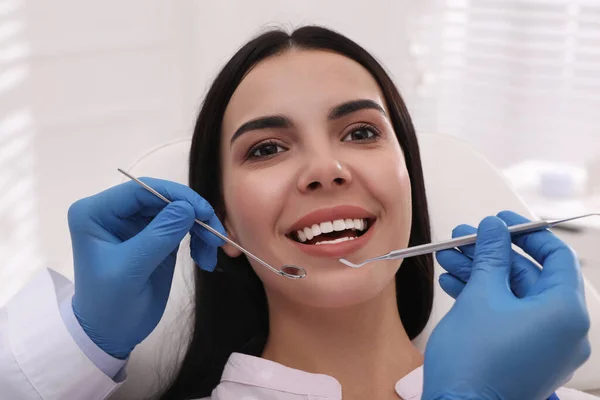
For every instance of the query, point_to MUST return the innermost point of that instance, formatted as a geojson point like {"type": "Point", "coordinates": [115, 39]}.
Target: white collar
{"type": "Point", "coordinates": [256, 371]}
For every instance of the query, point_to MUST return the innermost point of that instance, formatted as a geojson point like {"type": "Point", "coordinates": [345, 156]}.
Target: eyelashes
{"type": "Point", "coordinates": [362, 129]}
{"type": "Point", "coordinates": [360, 133]}
{"type": "Point", "coordinates": [270, 147]}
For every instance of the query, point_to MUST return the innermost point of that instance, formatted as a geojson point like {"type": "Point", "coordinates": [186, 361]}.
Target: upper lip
{"type": "Point", "coordinates": [331, 214]}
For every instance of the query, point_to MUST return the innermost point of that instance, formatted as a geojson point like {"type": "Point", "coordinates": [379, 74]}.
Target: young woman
{"type": "Point", "coordinates": [298, 135]}
{"type": "Point", "coordinates": [307, 153]}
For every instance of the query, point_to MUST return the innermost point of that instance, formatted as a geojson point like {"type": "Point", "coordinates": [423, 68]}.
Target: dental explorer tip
{"type": "Point", "coordinates": [348, 263]}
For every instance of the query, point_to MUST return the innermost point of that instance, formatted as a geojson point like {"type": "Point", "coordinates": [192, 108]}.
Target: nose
{"type": "Point", "coordinates": [324, 174]}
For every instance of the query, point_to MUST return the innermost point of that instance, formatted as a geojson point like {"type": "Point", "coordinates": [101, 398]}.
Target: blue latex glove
{"type": "Point", "coordinates": [125, 243]}
{"type": "Point", "coordinates": [496, 344]}
{"type": "Point", "coordinates": [459, 264]}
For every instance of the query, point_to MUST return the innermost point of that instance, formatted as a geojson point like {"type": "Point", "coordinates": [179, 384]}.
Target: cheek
{"type": "Point", "coordinates": [253, 200]}
{"type": "Point", "coordinates": [404, 201]}
{"type": "Point", "coordinates": [391, 185]}
{"type": "Point", "coordinates": [404, 190]}
{"type": "Point", "coordinates": [401, 198]}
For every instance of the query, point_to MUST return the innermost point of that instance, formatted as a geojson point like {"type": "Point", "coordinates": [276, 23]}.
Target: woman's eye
{"type": "Point", "coordinates": [266, 150]}
{"type": "Point", "coordinates": [360, 134]}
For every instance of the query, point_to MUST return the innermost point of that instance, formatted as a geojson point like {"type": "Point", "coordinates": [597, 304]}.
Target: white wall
{"type": "Point", "coordinates": [84, 87]}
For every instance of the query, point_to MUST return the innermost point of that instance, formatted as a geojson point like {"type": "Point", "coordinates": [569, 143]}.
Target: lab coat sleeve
{"type": "Point", "coordinates": [38, 357]}
{"type": "Point", "coordinates": [112, 367]}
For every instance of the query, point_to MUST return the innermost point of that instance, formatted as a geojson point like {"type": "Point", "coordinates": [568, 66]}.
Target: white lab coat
{"type": "Point", "coordinates": [40, 360]}
{"type": "Point", "coordinates": [38, 357]}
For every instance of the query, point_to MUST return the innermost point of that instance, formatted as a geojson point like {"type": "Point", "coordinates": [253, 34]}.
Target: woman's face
{"type": "Point", "coordinates": [313, 172]}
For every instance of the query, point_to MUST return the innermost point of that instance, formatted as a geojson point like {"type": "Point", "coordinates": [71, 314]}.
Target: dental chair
{"type": "Point", "coordinates": [453, 200]}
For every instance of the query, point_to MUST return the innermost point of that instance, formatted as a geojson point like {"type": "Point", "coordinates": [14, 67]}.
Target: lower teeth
{"type": "Point", "coordinates": [336, 240]}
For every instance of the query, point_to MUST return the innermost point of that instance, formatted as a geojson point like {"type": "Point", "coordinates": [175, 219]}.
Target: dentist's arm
{"type": "Point", "coordinates": [125, 243]}
{"type": "Point", "coordinates": [498, 343]}
{"type": "Point", "coordinates": [58, 345]}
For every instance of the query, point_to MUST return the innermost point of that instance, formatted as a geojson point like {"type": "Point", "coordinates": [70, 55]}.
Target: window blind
{"type": "Point", "coordinates": [520, 79]}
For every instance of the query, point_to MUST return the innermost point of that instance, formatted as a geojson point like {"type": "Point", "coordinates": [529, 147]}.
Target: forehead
{"type": "Point", "coordinates": [299, 83]}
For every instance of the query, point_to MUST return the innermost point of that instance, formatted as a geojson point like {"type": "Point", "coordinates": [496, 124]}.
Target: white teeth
{"type": "Point", "coordinates": [326, 227]}
{"type": "Point", "coordinates": [308, 233]}
{"type": "Point", "coordinates": [337, 225]}
{"type": "Point", "coordinates": [301, 236]}
{"type": "Point", "coordinates": [316, 231]}
{"type": "Point", "coordinates": [344, 239]}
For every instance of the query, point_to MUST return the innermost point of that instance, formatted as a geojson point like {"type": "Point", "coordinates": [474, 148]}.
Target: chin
{"type": "Point", "coordinates": [329, 283]}
{"type": "Point", "coordinates": [340, 287]}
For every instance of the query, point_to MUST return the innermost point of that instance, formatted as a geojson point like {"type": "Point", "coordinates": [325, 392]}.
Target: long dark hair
{"type": "Point", "coordinates": [230, 304]}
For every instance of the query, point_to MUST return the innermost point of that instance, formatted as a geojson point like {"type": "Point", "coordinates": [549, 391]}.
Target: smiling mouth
{"type": "Point", "coordinates": [331, 232]}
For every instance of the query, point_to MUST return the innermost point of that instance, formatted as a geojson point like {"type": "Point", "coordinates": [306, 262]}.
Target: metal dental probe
{"type": "Point", "coordinates": [460, 241]}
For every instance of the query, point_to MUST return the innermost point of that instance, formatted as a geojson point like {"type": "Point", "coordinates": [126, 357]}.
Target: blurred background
{"type": "Point", "coordinates": [86, 87]}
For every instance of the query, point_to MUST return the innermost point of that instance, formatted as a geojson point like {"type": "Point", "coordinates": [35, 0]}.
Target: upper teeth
{"type": "Point", "coordinates": [329, 226]}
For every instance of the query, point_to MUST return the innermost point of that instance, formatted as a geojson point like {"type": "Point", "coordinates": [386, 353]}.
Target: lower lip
{"type": "Point", "coordinates": [337, 250]}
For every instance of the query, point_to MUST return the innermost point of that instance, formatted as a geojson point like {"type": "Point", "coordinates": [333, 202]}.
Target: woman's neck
{"type": "Point", "coordinates": [365, 347]}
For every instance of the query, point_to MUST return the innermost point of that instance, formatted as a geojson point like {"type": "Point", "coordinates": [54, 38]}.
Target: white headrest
{"type": "Point", "coordinates": [462, 187]}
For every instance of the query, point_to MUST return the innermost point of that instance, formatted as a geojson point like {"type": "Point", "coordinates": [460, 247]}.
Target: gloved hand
{"type": "Point", "coordinates": [496, 344]}
{"type": "Point", "coordinates": [459, 264]}
{"type": "Point", "coordinates": [125, 243]}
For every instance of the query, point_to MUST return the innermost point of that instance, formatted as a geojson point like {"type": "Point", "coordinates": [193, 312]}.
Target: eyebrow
{"type": "Point", "coordinates": [273, 121]}
{"type": "Point", "coordinates": [280, 121]}
{"type": "Point", "coordinates": [349, 107]}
